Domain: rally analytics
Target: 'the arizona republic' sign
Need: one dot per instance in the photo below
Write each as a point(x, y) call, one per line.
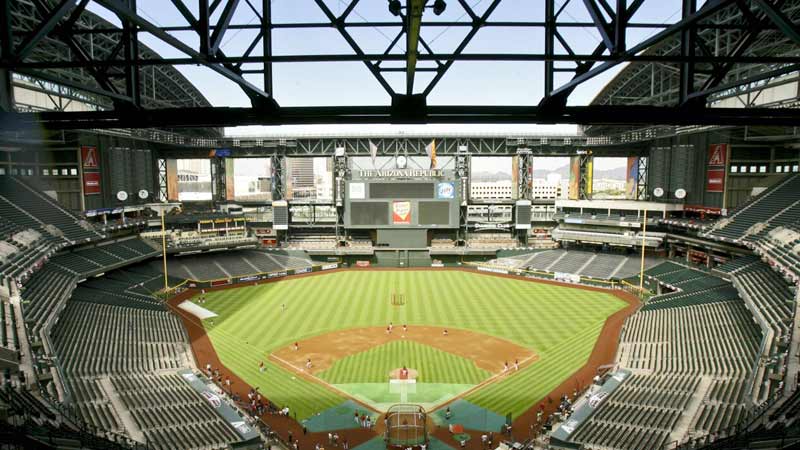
point(398, 173)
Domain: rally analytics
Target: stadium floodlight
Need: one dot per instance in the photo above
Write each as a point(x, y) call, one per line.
point(439, 6)
point(395, 7)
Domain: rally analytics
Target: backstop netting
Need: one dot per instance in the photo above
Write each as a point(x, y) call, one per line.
point(405, 427)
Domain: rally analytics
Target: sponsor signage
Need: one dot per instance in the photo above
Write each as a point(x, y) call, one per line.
point(276, 275)
point(220, 282)
point(302, 270)
point(330, 266)
point(401, 213)
point(493, 270)
point(362, 263)
point(249, 278)
point(91, 183)
point(446, 190)
point(401, 173)
point(715, 180)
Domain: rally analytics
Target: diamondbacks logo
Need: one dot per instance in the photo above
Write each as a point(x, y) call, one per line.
point(89, 157)
point(717, 154)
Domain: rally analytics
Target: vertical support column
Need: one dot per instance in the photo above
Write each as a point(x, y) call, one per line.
point(524, 174)
point(162, 179)
point(642, 191)
point(219, 180)
point(6, 48)
point(277, 163)
point(463, 174)
point(688, 36)
point(203, 23)
point(549, 45)
point(130, 36)
point(266, 43)
point(341, 172)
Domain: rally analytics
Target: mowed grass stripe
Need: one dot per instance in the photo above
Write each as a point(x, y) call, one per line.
point(433, 365)
point(544, 318)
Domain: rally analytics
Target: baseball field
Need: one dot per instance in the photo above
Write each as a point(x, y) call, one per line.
point(509, 342)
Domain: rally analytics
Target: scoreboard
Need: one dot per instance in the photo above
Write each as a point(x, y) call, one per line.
point(391, 203)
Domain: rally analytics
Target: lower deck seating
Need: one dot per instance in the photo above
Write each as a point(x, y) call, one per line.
point(692, 362)
point(170, 413)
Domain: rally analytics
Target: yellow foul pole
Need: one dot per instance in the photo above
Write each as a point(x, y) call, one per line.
point(641, 268)
point(164, 250)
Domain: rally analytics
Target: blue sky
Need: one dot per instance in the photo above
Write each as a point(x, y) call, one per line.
point(466, 83)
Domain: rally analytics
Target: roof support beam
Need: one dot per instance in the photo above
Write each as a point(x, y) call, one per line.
point(47, 25)
point(414, 10)
point(780, 20)
point(709, 8)
point(257, 96)
point(222, 25)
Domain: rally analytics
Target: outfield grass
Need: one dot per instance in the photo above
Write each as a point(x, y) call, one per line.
point(433, 365)
point(559, 323)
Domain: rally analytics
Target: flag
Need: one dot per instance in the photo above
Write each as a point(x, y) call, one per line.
point(430, 150)
point(373, 151)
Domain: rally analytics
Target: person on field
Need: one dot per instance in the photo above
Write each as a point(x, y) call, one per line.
point(308, 364)
point(261, 367)
point(448, 413)
point(405, 328)
point(505, 367)
point(296, 346)
point(444, 333)
point(516, 364)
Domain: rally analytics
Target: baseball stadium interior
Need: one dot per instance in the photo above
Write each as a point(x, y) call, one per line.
point(399, 224)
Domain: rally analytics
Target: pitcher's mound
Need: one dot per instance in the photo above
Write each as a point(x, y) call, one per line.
point(397, 374)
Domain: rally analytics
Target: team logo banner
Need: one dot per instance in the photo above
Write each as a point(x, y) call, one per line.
point(446, 190)
point(715, 172)
point(89, 157)
point(401, 213)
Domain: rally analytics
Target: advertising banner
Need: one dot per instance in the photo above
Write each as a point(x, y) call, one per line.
point(574, 177)
point(91, 183)
point(632, 178)
point(446, 190)
point(220, 282)
point(330, 266)
point(401, 213)
point(362, 263)
point(715, 180)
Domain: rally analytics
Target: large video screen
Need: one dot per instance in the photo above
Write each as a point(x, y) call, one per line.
point(190, 180)
point(250, 178)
